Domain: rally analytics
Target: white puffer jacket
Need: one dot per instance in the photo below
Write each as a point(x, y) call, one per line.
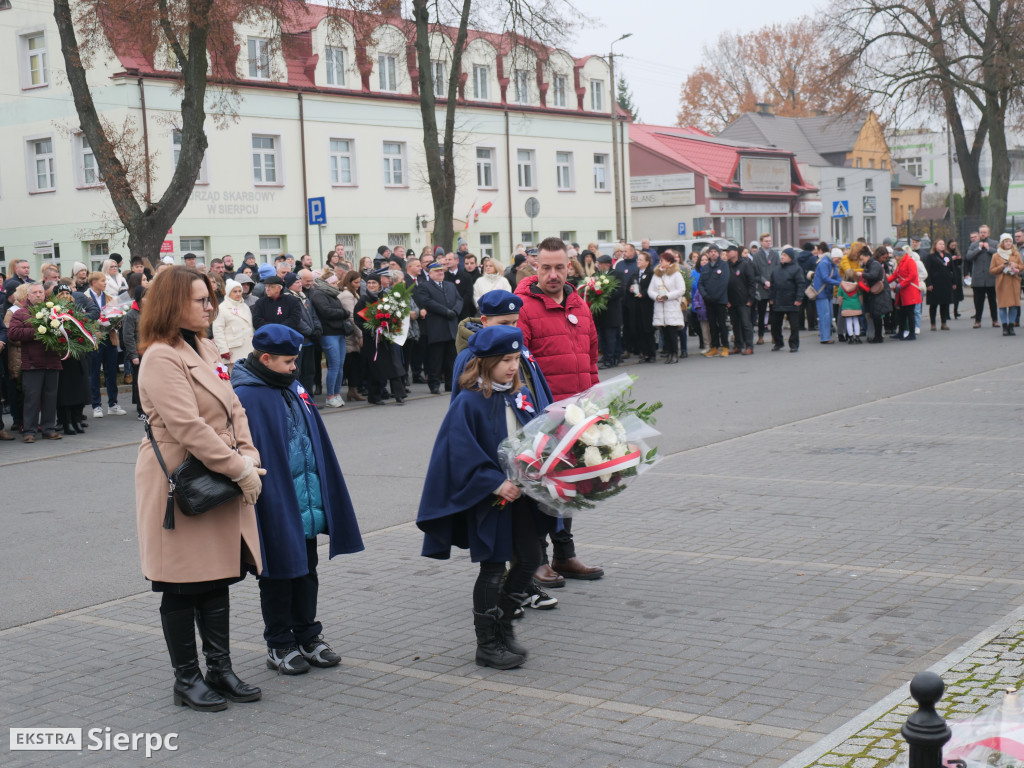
point(232, 330)
point(670, 284)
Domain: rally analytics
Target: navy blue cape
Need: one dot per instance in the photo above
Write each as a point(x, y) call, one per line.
point(282, 539)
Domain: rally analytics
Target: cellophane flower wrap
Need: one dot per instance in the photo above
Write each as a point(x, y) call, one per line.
point(63, 328)
point(113, 312)
point(584, 449)
point(597, 289)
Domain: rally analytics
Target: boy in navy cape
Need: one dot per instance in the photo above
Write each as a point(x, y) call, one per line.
point(468, 502)
point(500, 307)
point(304, 494)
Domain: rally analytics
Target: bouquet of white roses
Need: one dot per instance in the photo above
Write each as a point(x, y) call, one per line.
point(63, 328)
point(582, 450)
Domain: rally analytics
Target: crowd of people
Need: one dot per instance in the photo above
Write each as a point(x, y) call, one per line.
point(728, 301)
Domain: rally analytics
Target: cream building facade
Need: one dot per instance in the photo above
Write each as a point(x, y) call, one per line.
point(317, 114)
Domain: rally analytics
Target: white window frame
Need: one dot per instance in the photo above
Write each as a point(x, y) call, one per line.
point(560, 88)
point(531, 166)
point(351, 243)
point(31, 158)
point(204, 167)
point(259, 57)
point(389, 167)
point(528, 238)
point(264, 153)
point(487, 165)
point(565, 171)
point(481, 82)
point(387, 72)
point(597, 96)
point(334, 60)
point(396, 239)
point(840, 183)
point(186, 244)
point(84, 156)
point(604, 235)
point(488, 242)
point(869, 228)
point(268, 254)
point(26, 56)
point(601, 184)
point(521, 82)
point(335, 156)
point(439, 69)
point(869, 186)
point(567, 235)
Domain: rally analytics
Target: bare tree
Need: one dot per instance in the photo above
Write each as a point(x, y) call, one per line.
point(957, 54)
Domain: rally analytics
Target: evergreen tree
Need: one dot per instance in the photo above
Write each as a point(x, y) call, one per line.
point(625, 98)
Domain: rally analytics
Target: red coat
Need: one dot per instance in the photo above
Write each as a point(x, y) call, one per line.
point(34, 356)
point(906, 273)
point(565, 351)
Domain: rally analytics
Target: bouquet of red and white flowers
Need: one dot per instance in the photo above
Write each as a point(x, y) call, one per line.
point(113, 312)
point(389, 315)
point(582, 450)
point(597, 289)
point(63, 328)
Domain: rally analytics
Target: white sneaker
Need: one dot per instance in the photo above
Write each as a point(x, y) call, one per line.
point(116, 410)
point(917, 329)
point(97, 413)
point(335, 401)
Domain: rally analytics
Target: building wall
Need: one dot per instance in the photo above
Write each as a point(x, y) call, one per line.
point(870, 150)
point(230, 211)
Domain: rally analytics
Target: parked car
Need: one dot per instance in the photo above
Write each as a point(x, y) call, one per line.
point(903, 243)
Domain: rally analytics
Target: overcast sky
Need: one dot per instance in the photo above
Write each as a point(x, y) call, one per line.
point(667, 40)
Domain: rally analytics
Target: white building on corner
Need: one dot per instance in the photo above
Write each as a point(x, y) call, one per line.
point(323, 114)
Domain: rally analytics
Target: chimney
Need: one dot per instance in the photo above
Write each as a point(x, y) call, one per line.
point(764, 108)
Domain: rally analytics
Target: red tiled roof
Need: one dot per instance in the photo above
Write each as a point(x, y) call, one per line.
point(717, 159)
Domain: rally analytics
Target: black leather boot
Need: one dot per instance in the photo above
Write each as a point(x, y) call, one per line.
point(491, 650)
point(507, 604)
point(190, 689)
point(212, 618)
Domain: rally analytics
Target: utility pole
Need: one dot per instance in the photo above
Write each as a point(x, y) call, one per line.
point(614, 108)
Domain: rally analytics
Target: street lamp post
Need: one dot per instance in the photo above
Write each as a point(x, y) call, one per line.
point(615, 141)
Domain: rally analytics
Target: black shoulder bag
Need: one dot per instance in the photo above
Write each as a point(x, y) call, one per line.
point(193, 485)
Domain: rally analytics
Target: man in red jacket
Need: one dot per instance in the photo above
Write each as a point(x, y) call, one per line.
point(559, 330)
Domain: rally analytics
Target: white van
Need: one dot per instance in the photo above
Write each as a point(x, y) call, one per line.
point(685, 247)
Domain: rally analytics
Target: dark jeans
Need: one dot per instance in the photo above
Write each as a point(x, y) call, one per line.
point(610, 340)
point(440, 361)
point(40, 390)
point(757, 313)
point(716, 321)
point(671, 334)
point(742, 328)
point(562, 545)
point(289, 606)
point(794, 327)
point(810, 313)
point(908, 320)
point(520, 571)
point(942, 309)
point(417, 355)
point(104, 358)
point(979, 302)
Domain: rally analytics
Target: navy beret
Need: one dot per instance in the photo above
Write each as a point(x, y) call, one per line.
point(499, 302)
point(277, 339)
point(496, 340)
point(273, 280)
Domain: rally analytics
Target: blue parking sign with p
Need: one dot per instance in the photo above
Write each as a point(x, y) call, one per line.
point(317, 209)
point(682, 228)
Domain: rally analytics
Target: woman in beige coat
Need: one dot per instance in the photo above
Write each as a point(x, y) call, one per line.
point(1007, 266)
point(192, 409)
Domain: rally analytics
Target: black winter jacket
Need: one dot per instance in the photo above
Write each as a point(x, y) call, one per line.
point(714, 282)
point(788, 283)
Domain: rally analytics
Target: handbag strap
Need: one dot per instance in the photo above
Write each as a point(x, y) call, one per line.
point(169, 511)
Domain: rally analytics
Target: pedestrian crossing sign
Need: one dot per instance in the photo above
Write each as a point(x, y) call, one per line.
point(841, 209)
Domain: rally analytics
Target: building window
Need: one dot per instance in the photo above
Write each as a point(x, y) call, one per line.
point(869, 228)
point(856, 163)
point(488, 244)
point(259, 58)
point(35, 70)
point(265, 159)
point(522, 86)
point(840, 183)
point(88, 172)
point(600, 173)
point(762, 225)
point(196, 245)
point(335, 58)
point(560, 91)
point(528, 238)
point(394, 164)
point(597, 95)
point(604, 235)
point(387, 72)
point(564, 171)
point(96, 253)
point(342, 159)
point(481, 77)
point(439, 72)
point(485, 168)
point(525, 168)
point(351, 245)
point(396, 239)
point(869, 186)
point(913, 165)
point(841, 229)
point(42, 175)
point(270, 246)
point(204, 172)
point(567, 236)
point(871, 162)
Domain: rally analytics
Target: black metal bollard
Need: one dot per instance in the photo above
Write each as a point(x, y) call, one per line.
point(925, 730)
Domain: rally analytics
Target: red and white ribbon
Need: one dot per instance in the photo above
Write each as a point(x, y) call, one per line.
point(65, 316)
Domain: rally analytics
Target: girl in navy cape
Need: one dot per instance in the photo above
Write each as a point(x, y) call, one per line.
point(469, 503)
